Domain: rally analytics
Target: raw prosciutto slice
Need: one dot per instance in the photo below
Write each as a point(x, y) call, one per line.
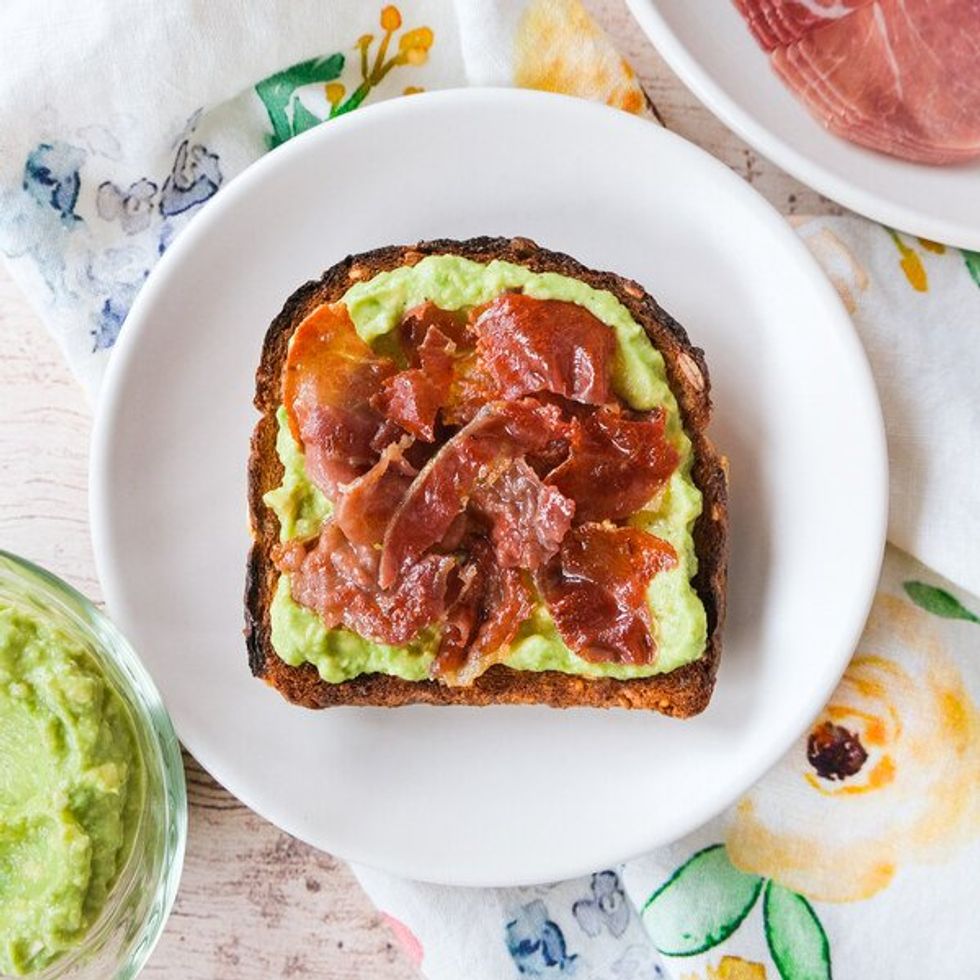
point(527, 518)
point(776, 23)
point(898, 76)
point(329, 378)
point(476, 455)
point(483, 616)
point(596, 588)
point(531, 345)
point(616, 464)
point(339, 581)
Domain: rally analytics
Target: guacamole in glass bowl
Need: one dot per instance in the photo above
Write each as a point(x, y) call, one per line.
point(92, 796)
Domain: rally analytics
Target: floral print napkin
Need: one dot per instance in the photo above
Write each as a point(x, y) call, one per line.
point(857, 856)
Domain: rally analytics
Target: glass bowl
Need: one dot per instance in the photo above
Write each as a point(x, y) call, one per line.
point(121, 939)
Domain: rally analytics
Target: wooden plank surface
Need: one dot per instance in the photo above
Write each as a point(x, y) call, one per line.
point(254, 903)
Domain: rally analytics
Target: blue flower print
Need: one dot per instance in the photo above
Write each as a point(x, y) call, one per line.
point(166, 236)
point(51, 177)
point(115, 275)
point(637, 963)
point(194, 178)
point(536, 943)
point(110, 319)
point(132, 208)
point(607, 906)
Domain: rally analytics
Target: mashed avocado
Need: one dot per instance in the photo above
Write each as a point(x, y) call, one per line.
point(376, 306)
point(70, 791)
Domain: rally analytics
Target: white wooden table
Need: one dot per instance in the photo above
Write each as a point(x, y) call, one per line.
point(254, 903)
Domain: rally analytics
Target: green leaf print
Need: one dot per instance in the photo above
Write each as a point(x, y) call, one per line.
point(303, 119)
point(972, 260)
point(701, 904)
point(276, 93)
point(797, 942)
point(938, 602)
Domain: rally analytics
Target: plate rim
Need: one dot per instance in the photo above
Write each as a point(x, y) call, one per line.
point(111, 406)
point(815, 175)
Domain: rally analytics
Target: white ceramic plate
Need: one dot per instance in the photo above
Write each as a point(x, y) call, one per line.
point(710, 47)
point(493, 795)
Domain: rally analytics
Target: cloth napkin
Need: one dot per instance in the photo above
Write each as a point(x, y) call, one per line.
point(857, 855)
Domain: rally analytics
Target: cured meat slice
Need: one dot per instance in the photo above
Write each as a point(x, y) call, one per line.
point(776, 23)
point(365, 506)
point(416, 323)
point(413, 397)
point(476, 455)
point(329, 378)
point(531, 345)
point(527, 518)
point(897, 76)
point(413, 400)
point(388, 432)
point(338, 446)
point(339, 581)
point(616, 464)
point(483, 616)
point(596, 588)
point(471, 388)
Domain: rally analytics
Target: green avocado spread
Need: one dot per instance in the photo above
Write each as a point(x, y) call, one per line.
point(70, 791)
point(376, 306)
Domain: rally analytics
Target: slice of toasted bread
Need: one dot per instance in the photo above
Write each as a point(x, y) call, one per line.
point(680, 693)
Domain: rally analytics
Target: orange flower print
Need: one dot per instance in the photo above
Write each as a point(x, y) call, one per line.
point(289, 115)
point(413, 49)
point(849, 277)
point(559, 48)
point(910, 262)
point(731, 968)
point(887, 775)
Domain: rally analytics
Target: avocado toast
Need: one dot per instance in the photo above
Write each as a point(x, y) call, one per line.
point(481, 476)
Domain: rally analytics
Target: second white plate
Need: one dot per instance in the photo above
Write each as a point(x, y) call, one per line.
point(492, 795)
point(710, 47)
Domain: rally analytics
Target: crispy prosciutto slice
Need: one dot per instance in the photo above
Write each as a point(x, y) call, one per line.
point(329, 378)
point(413, 397)
point(527, 518)
point(471, 388)
point(473, 457)
point(531, 345)
point(337, 443)
point(339, 581)
point(486, 607)
point(898, 76)
point(615, 465)
point(365, 506)
point(418, 321)
point(596, 588)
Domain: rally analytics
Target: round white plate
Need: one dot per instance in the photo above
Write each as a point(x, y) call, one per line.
point(709, 45)
point(492, 795)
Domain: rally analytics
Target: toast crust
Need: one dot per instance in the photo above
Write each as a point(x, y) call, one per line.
point(679, 693)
